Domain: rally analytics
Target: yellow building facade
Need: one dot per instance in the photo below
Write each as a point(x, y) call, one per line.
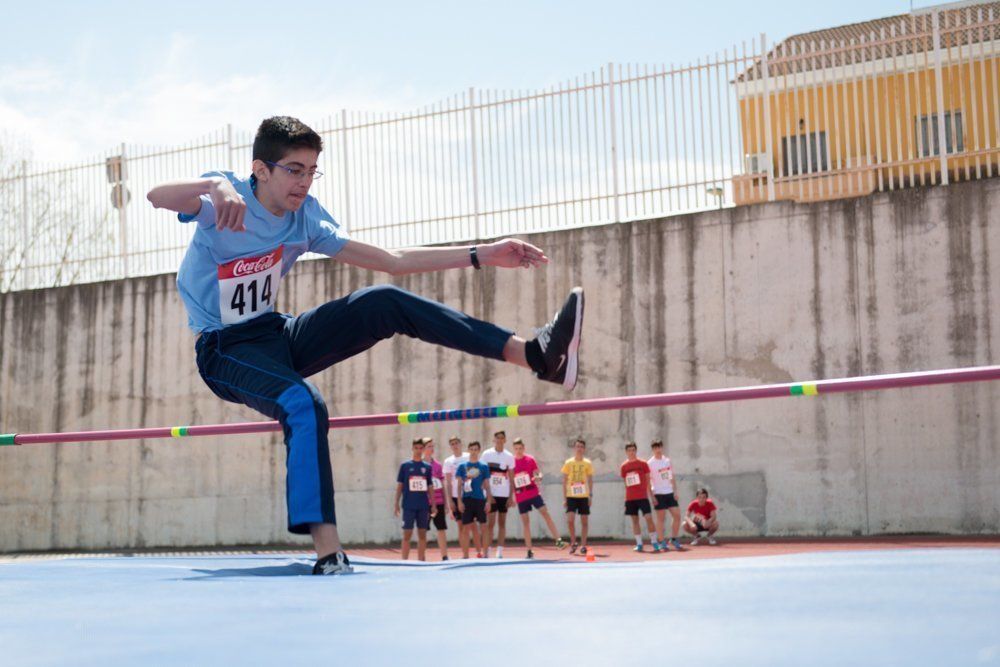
point(851, 110)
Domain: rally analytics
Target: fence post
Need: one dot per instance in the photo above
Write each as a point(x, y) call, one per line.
point(939, 90)
point(768, 138)
point(122, 213)
point(475, 166)
point(614, 141)
point(25, 223)
point(344, 170)
point(229, 147)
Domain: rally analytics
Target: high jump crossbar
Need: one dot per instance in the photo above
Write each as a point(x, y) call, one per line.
point(815, 388)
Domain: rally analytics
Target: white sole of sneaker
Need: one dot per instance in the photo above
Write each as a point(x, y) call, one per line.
point(572, 354)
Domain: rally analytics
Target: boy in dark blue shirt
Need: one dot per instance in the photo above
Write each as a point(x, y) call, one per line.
point(414, 486)
point(474, 477)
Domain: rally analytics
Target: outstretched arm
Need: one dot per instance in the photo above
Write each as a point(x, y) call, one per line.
point(506, 253)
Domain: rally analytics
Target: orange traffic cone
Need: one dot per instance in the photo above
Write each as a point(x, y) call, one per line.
point(590, 556)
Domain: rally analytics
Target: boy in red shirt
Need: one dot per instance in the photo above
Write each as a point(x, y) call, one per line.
point(638, 493)
point(702, 516)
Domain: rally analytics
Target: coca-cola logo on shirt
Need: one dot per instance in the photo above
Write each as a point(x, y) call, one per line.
point(248, 266)
point(244, 267)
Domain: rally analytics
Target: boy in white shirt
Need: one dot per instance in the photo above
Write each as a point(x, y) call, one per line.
point(661, 479)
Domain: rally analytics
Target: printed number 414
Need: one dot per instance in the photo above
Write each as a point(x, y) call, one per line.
point(239, 296)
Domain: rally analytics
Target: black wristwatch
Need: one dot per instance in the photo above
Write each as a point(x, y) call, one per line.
point(474, 255)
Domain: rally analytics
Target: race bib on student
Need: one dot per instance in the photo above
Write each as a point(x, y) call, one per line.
point(632, 479)
point(247, 286)
point(667, 475)
point(467, 487)
point(577, 489)
point(497, 479)
point(436, 483)
point(521, 480)
point(418, 484)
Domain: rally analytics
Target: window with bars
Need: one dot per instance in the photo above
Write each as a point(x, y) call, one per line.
point(804, 154)
point(927, 138)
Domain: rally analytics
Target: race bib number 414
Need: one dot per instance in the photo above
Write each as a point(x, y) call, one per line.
point(247, 286)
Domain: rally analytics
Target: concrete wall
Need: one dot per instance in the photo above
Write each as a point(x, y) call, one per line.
point(769, 293)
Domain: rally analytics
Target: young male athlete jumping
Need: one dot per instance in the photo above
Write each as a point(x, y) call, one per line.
point(249, 233)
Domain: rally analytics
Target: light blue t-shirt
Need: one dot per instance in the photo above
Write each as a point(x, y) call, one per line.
point(230, 277)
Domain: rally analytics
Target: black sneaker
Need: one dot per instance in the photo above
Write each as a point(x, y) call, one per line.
point(531, 554)
point(335, 563)
point(560, 342)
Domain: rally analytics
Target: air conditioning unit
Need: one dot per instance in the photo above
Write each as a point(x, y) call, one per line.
point(755, 163)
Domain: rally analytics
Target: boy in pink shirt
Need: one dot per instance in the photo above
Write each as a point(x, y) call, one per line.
point(437, 481)
point(528, 497)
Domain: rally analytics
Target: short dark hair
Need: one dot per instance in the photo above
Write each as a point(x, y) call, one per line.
point(581, 441)
point(418, 441)
point(503, 433)
point(701, 491)
point(631, 444)
point(474, 443)
point(279, 134)
point(656, 443)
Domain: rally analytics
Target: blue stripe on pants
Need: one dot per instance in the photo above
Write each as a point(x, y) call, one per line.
point(250, 364)
point(302, 482)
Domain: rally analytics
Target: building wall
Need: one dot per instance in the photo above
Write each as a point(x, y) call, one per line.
point(759, 294)
point(870, 118)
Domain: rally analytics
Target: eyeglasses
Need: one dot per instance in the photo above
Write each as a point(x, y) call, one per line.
point(297, 172)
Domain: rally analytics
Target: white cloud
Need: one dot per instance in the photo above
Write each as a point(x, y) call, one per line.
point(30, 79)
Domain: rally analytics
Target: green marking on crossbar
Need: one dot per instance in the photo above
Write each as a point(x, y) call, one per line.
point(7, 439)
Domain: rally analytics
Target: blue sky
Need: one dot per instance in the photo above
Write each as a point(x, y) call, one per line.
point(75, 80)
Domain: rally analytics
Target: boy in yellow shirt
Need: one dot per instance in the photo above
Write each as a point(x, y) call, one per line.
point(578, 489)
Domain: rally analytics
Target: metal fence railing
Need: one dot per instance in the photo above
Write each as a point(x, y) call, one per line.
point(817, 116)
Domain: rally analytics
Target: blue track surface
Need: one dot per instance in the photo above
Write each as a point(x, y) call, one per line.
point(902, 607)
